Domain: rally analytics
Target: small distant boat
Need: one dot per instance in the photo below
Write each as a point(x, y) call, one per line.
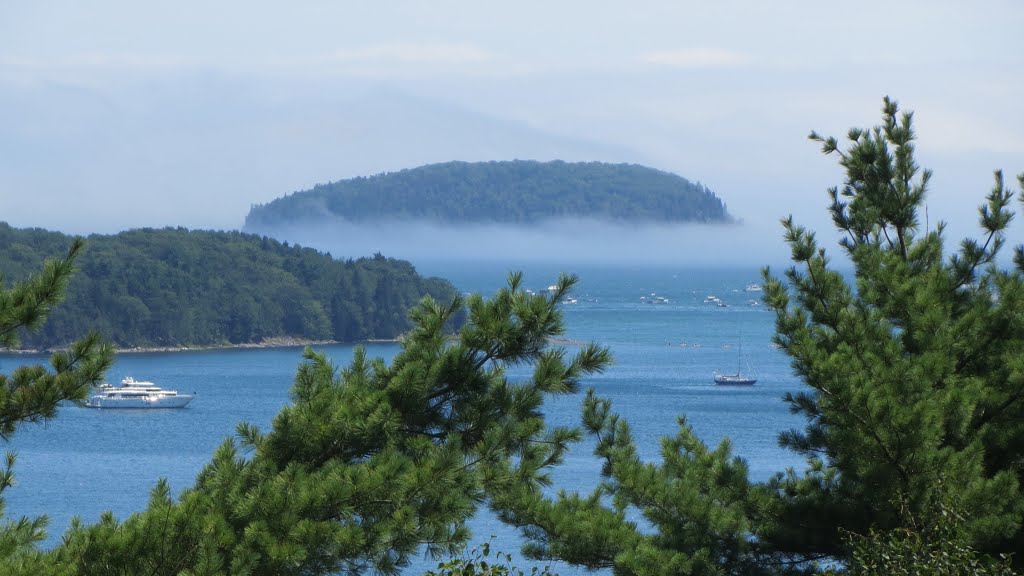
point(753, 288)
point(654, 299)
point(137, 394)
point(737, 379)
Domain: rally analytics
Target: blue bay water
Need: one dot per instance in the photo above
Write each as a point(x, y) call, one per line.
point(86, 461)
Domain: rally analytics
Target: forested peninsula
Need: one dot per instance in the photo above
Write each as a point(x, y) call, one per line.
point(156, 288)
point(510, 192)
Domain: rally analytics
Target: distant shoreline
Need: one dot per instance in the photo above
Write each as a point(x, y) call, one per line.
point(278, 342)
point(281, 342)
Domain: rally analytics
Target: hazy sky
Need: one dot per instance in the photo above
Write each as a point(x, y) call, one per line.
point(121, 114)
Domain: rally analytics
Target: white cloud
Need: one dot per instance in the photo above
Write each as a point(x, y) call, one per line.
point(404, 53)
point(697, 58)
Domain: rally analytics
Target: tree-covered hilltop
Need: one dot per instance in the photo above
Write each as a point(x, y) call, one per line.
point(178, 287)
point(514, 192)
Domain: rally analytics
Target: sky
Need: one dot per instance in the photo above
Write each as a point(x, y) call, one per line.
point(125, 114)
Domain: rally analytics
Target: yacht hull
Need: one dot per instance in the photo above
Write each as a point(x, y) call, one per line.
point(137, 394)
point(179, 401)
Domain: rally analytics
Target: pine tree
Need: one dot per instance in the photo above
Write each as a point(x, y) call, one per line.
point(915, 372)
point(914, 405)
point(369, 466)
point(33, 393)
point(691, 514)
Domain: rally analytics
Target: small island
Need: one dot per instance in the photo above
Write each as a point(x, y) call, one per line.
point(515, 192)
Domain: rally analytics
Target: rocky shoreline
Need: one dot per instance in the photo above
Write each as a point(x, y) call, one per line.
point(277, 342)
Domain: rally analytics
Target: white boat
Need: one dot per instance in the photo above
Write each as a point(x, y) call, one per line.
point(738, 378)
point(654, 299)
point(735, 379)
point(136, 394)
point(753, 288)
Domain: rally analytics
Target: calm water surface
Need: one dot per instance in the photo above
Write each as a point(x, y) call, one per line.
point(88, 461)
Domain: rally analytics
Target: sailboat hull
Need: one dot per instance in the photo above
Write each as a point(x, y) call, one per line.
point(734, 379)
point(737, 379)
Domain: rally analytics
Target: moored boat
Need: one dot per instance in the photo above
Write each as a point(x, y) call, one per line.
point(739, 378)
point(735, 379)
point(136, 394)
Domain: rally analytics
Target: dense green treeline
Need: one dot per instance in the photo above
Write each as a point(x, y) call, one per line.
point(178, 287)
point(515, 192)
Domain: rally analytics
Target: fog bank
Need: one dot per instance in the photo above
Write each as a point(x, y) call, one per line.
point(569, 241)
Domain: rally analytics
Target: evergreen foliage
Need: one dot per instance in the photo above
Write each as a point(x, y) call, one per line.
point(33, 393)
point(935, 551)
point(365, 467)
point(517, 192)
point(690, 514)
point(176, 287)
point(479, 562)
point(914, 406)
point(915, 373)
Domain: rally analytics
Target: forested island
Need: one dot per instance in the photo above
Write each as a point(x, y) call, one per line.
point(181, 288)
point(511, 192)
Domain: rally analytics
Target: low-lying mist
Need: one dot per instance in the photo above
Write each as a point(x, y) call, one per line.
point(569, 241)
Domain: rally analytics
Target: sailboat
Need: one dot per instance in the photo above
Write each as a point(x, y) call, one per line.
point(738, 378)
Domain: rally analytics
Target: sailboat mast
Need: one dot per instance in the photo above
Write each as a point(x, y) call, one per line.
point(739, 355)
point(737, 378)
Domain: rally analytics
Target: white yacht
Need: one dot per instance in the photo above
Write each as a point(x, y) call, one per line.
point(137, 394)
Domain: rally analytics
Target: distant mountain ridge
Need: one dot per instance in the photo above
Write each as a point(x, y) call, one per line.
point(516, 192)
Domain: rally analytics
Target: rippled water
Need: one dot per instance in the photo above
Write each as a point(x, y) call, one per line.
point(88, 461)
